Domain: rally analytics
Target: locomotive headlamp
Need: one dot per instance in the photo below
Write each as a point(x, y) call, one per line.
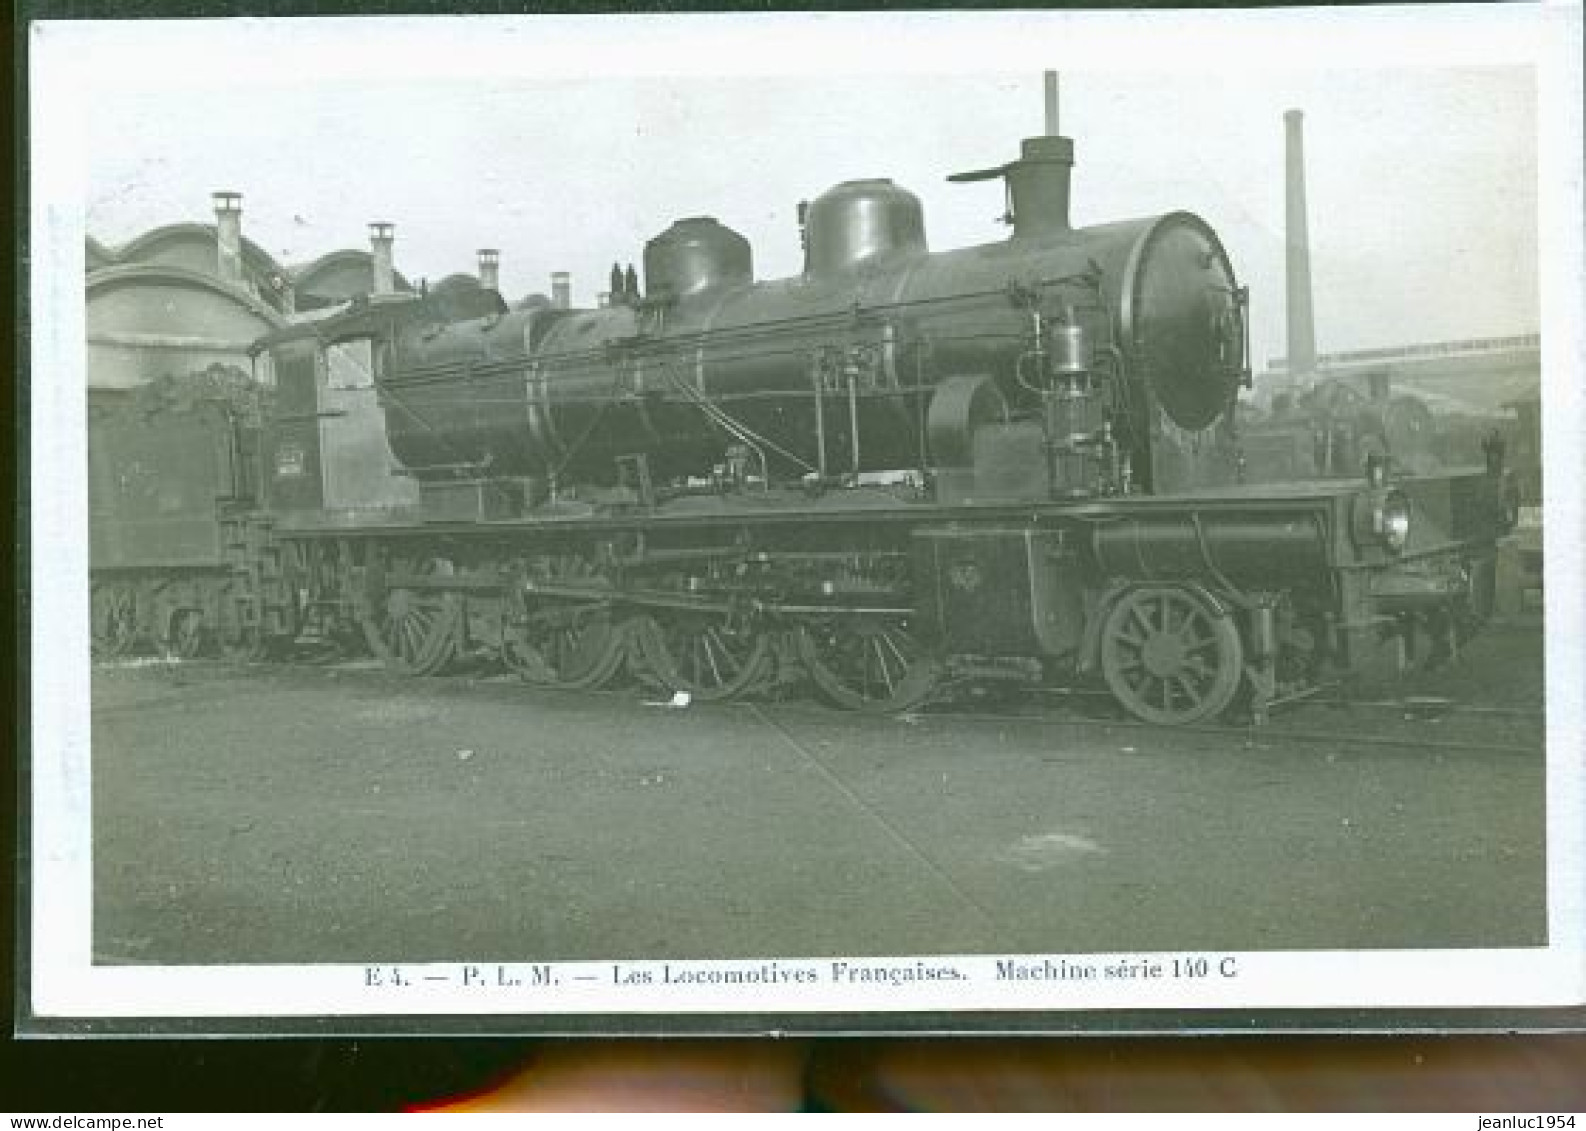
point(1382, 518)
point(1390, 520)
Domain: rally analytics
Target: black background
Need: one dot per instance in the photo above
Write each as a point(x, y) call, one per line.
point(1416, 1070)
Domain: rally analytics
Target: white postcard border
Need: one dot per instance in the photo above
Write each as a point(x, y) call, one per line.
point(73, 64)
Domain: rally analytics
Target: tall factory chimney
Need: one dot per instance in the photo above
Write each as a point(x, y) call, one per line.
point(382, 234)
point(561, 290)
point(228, 235)
point(1300, 318)
point(1050, 78)
point(489, 269)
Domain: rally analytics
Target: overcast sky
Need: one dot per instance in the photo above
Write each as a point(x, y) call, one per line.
point(1422, 180)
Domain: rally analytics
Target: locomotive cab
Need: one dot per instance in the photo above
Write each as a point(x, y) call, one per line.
point(327, 459)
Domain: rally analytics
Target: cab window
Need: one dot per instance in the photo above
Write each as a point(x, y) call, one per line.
point(350, 365)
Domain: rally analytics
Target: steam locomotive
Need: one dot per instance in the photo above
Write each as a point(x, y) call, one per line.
point(899, 470)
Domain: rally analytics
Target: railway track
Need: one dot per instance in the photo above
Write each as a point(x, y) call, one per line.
point(1375, 722)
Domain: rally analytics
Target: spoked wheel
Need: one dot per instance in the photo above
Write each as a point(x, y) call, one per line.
point(1170, 657)
point(702, 654)
point(560, 642)
point(115, 620)
point(247, 646)
point(415, 631)
point(189, 636)
point(865, 663)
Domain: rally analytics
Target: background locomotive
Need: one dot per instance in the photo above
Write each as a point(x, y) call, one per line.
point(1015, 460)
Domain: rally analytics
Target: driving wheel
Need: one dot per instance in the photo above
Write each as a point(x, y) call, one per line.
point(702, 654)
point(415, 631)
point(563, 642)
point(868, 663)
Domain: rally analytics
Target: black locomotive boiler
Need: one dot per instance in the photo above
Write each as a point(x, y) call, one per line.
point(897, 470)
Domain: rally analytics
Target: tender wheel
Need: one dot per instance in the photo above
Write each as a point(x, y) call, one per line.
point(115, 620)
point(244, 644)
point(333, 647)
point(415, 631)
point(868, 664)
point(189, 636)
point(702, 655)
point(239, 635)
point(1169, 657)
point(557, 642)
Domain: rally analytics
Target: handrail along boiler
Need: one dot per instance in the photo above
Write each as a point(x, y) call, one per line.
point(897, 469)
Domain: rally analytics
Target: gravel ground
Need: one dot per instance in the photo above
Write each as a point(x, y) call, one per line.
point(283, 814)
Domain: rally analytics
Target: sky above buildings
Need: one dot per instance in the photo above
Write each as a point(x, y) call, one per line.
point(568, 154)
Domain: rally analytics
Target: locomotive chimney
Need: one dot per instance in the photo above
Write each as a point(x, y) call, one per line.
point(228, 235)
point(1299, 316)
point(1038, 185)
point(561, 290)
point(382, 234)
point(489, 269)
point(1038, 182)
